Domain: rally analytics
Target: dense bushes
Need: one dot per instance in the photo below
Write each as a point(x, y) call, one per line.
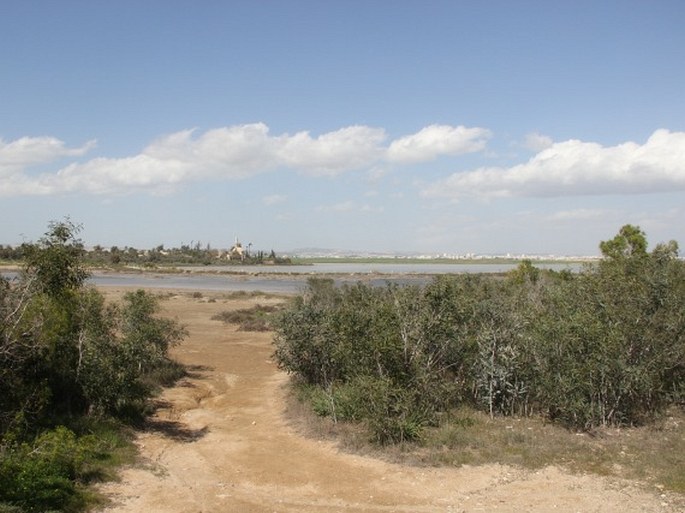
point(605, 346)
point(389, 356)
point(66, 354)
point(615, 337)
point(44, 475)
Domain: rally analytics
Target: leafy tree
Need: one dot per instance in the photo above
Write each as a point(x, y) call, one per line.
point(525, 271)
point(55, 262)
point(611, 343)
point(630, 242)
point(65, 353)
point(119, 346)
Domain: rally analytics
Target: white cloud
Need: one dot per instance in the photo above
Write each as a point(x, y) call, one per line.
point(350, 206)
point(372, 208)
point(344, 206)
point(435, 140)
point(537, 142)
point(227, 153)
point(273, 199)
point(30, 151)
point(349, 148)
point(580, 214)
point(230, 152)
point(99, 176)
point(376, 174)
point(579, 168)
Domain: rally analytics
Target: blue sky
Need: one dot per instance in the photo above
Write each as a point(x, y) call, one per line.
point(392, 126)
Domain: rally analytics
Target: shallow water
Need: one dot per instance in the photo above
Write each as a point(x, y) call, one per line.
point(292, 279)
point(377, 268)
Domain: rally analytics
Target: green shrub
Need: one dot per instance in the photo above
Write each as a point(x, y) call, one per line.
point(609, 345)
point(66, 356)
point(365, 349)
point(605, 346)
point(45, 475)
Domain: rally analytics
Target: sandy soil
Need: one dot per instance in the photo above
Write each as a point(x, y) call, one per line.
point(221, 443)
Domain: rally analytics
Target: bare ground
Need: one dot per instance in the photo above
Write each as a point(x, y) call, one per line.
point(221, 442)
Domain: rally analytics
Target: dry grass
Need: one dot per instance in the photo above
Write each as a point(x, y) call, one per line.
point(251, 294)
point(653, 455)
point(256, 318)
point(349, 436)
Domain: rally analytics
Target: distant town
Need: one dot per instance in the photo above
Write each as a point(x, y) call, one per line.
point(239, 253)
point(317, 253)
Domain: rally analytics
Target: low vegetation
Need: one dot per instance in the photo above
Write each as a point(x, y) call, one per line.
point(653, 454)
point(73, 371)
point(599, 349)
point(256, 318)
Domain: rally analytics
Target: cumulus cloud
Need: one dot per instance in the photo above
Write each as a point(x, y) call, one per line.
point(537, 142)
point(578, 168)
point(100, 176)
point(30, 151)
point(349, 148)
point(436, 140)
point(230, 152)
point(227, 153)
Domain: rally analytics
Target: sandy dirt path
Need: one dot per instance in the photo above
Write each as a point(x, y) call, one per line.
point(221, 443)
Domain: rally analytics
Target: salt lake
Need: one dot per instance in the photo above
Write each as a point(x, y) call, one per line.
point(291, 279)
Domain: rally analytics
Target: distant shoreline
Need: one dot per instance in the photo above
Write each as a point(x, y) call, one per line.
point(495, 260)
point(284, 269)
point(284, 279)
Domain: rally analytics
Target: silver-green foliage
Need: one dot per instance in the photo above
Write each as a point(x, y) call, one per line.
point(611, 343)
point(119, 345)
point(605, 346)
point(387, 356)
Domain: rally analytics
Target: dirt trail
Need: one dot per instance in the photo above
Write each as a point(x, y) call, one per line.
point(221, 443)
